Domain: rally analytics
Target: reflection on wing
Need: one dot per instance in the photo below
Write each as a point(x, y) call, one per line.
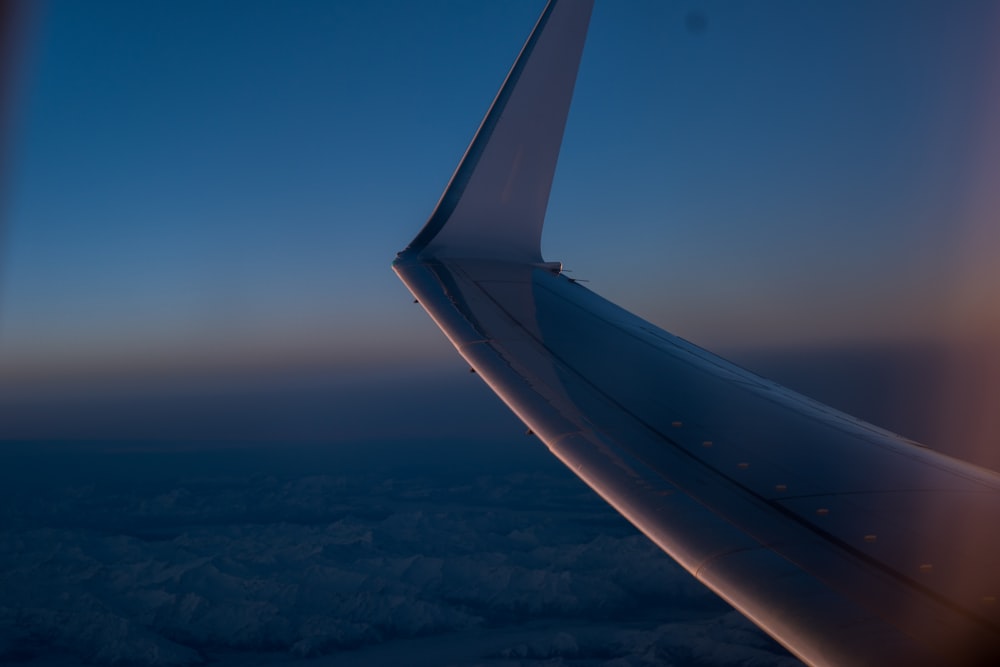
point(848, 544)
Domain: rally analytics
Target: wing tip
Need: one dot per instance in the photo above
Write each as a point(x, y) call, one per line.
point(494, 205)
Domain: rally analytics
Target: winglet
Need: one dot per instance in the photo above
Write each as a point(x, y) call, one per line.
point(494, 205)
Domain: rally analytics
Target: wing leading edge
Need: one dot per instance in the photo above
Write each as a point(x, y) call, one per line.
point(848, 544)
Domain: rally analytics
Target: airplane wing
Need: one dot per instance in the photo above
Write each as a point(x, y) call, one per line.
point(848, 544)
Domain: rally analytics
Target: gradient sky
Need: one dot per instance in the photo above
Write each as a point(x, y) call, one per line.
point(222, 185)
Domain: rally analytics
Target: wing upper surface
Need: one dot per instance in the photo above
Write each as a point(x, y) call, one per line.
point(850, 545)
point(846, 543)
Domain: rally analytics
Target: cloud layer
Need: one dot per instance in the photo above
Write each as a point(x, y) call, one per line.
point(145, 558)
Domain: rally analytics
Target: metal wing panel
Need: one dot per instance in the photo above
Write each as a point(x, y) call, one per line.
point(768, 497)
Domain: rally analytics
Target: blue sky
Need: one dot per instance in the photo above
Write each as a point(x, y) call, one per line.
point(223, 185)
point(203, 200)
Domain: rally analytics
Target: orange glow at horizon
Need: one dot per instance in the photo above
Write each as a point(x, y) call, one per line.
point(968, 393)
